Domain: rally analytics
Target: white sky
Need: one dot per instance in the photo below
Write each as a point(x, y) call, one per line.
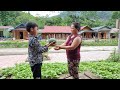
point(44, 13)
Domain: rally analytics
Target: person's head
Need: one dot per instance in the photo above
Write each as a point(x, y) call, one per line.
point(32, 28)
point(75, 27)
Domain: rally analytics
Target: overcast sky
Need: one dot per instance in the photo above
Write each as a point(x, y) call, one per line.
point(44, 13)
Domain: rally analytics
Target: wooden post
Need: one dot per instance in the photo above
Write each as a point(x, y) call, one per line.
point(54, 35)
point(98, 36)
point(118, 27)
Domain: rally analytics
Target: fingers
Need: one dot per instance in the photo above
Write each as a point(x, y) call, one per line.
point(57, 48)
point(52, 43)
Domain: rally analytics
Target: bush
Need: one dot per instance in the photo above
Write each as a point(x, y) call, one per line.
point(114, 57)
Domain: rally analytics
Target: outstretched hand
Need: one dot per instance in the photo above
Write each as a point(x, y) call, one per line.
point(57, 47)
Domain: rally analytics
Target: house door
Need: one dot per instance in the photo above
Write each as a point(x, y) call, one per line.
point(102, 35)
point(1, 33)
point(21, 35)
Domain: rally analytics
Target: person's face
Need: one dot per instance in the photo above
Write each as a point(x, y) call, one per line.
point(73, 29)
point(35, 30)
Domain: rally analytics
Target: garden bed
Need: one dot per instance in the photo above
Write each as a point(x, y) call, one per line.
point(103, 69)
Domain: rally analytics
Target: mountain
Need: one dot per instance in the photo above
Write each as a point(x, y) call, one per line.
point(103, 15)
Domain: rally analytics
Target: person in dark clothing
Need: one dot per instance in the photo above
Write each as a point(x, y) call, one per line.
point(35, 50)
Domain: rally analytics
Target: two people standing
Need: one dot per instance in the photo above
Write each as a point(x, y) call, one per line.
point(72, 46)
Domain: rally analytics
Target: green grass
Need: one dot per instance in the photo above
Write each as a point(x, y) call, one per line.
point(20, 44)
point(16, 44)
point(104, 69)
point(107, 42)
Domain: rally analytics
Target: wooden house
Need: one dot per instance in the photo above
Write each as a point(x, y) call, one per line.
point(4, 31)
point(62, 32)
point(102, 32)
point(20, 32)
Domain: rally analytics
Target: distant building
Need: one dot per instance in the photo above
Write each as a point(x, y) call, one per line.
point(114, 33)
point(87, 32)
point(19, 32)
point(62, 32)
point(4, 31)
point(102, 32)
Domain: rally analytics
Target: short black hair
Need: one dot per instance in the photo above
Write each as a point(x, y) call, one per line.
point(30, 25)
point(76, 25)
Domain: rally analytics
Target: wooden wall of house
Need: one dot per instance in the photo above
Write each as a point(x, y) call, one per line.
point(16, 34)
point(57, 35)
point(87, 35)
point(25, 34)
point(104, 35)
point(86, 28)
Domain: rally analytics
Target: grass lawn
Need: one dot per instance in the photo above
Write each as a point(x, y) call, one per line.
point(24, 44)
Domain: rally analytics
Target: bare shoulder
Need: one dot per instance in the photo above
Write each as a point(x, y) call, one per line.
point(78, 38)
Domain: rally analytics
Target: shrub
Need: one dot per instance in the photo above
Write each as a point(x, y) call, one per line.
point(114, 57)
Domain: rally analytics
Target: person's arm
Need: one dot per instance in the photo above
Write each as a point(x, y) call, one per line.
point(42, 49)
point(74, 44)
point(34, 43)
point(63, 44)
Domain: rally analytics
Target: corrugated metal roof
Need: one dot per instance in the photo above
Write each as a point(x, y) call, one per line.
point(86, 31)
point(59, 29)
point(114, 30)
point(5, 27)
point(23, 25)
point(100, 28)
point(56, 29)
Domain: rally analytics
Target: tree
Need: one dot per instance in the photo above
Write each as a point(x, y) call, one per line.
point(89, 14)
point(112, 21)
point(40, 21)
point(115, 15)
point(8, 17)
point(24, 17)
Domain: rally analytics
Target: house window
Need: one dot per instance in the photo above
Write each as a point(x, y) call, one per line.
point(1, 33)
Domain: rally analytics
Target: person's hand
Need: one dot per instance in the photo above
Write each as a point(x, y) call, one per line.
point(51, 44)
point(57, 48)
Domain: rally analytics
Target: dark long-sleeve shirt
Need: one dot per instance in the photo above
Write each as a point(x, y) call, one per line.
point(35, 51)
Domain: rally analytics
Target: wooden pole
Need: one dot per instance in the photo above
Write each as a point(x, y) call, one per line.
point(118, 27)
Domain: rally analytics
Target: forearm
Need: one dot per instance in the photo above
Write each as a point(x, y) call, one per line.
point(42, 49)
point(67, 47)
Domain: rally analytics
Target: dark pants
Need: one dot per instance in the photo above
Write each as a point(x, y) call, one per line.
point(36, 70)
point(73, 68)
